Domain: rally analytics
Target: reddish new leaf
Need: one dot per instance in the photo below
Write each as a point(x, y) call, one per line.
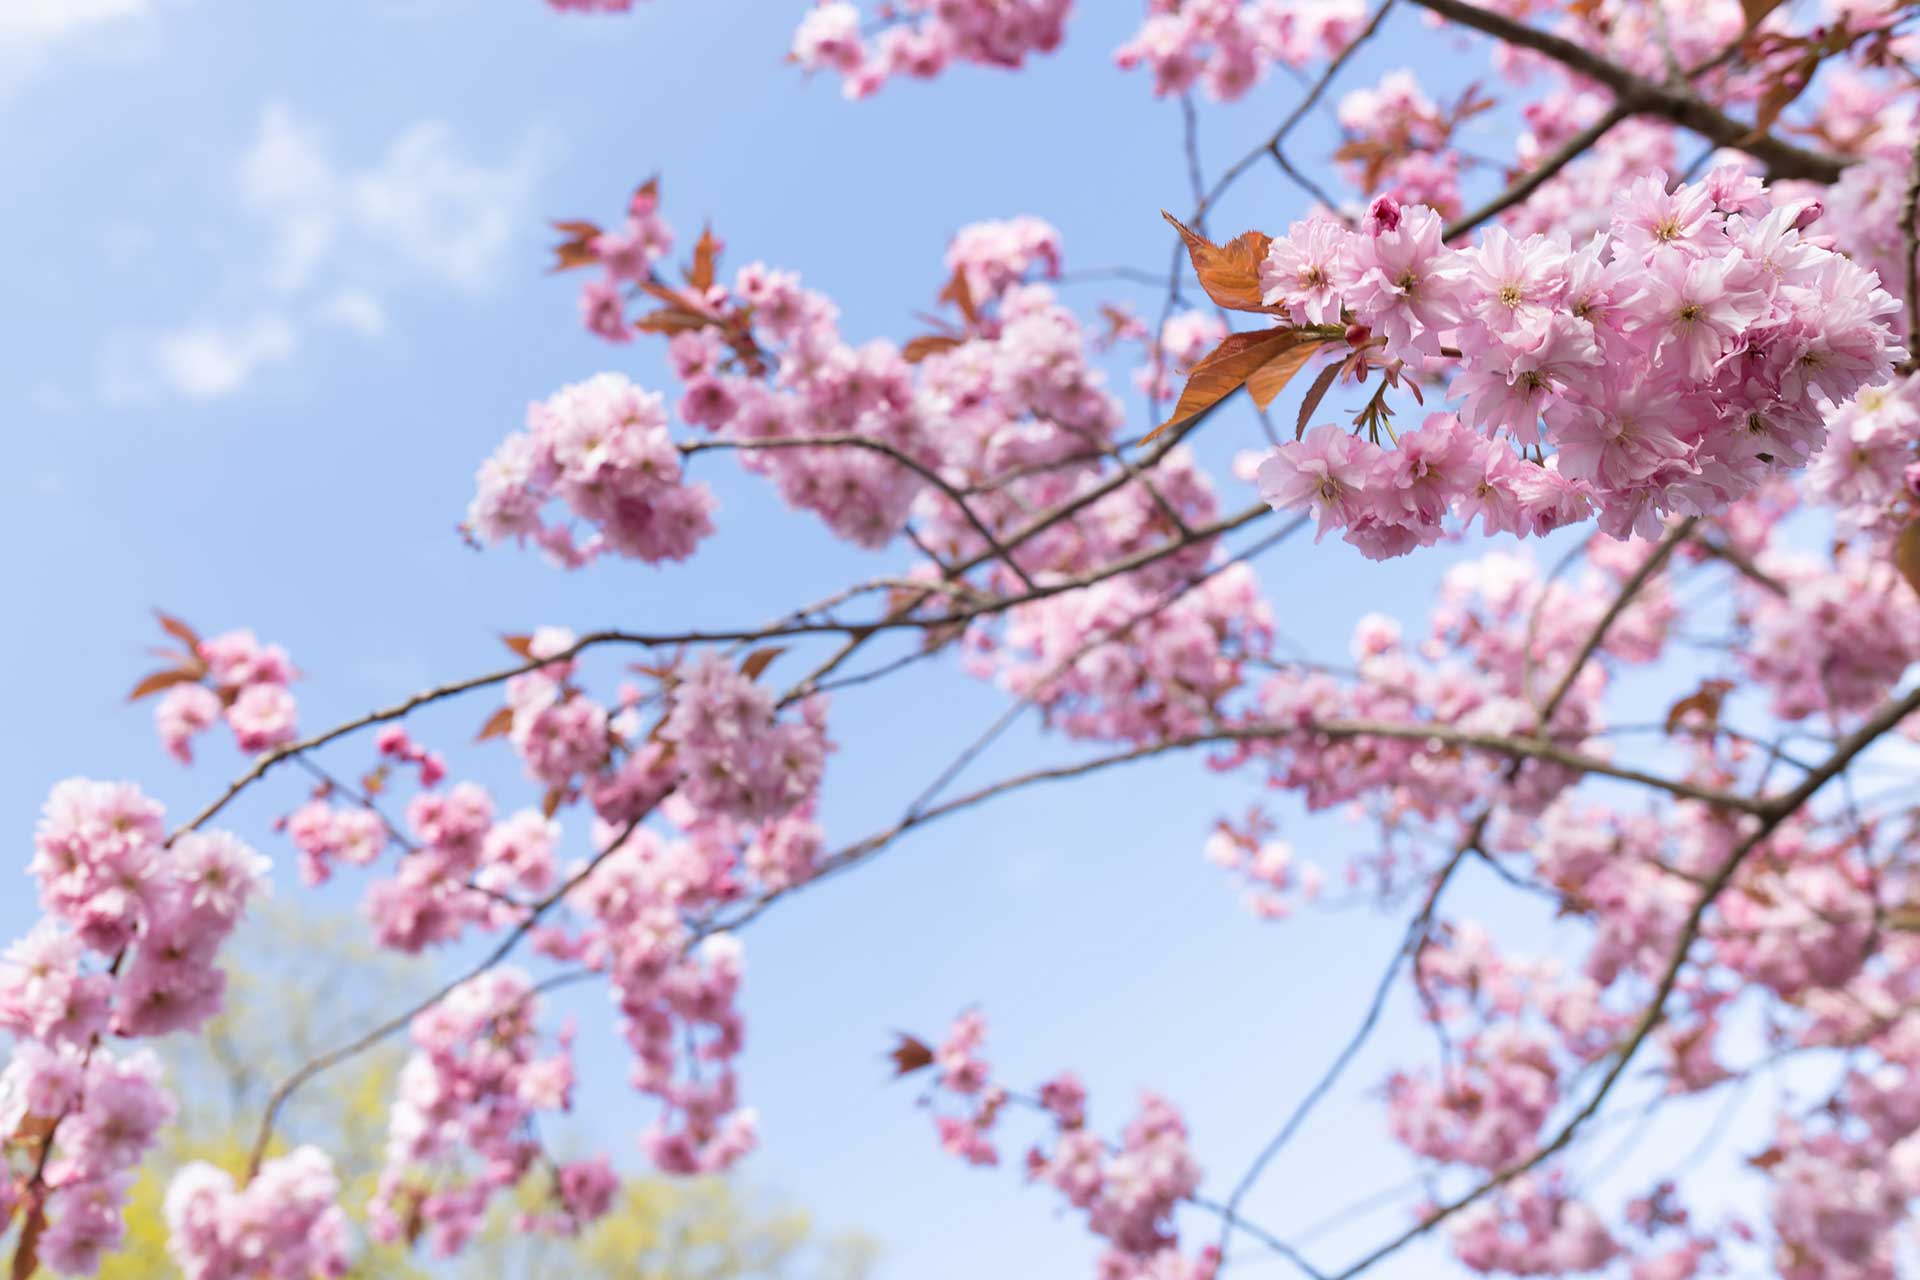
point(1119, 324)
point(1706, 701)
point(1315, 394)
point(162, 680)
point(550, 803)
point(497, 724)
point(1225, 369)
point(577, 249)
point(374, 781)
point(706, 258)
point(672, 320)
point(1906, 554)
point(1757, 10)
point(759, 660)
point(1271, 378)
point(1231, 273)
point(929, 345)
point(1473, 103)
point(910, 1055)
point(522, 645)
point(179, 630)
point(961, 296)
point(671, 296)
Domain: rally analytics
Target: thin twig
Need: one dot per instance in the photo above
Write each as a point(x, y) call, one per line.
point(1778, 811)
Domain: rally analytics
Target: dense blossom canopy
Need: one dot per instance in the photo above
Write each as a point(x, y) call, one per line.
point(1678, 322)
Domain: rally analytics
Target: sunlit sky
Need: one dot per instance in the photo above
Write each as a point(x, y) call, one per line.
point(276, 283)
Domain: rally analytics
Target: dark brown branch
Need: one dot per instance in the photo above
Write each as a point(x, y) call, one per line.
point(1910, 238)
point(1120, 632)
point(265, 763)
point(1678, 104)
point(1669, 543)
point(900, 456)
point(1419, 929)
point(1563, 155)
point(1743, 564)
point(1514, 748)
point(1520, 749)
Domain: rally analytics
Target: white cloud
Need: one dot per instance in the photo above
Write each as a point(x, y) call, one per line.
point(285, 175)
point(356, 311)
point(30, 30)
point(425, 208)
point(452, 217)
point(211, 361)
point(40, 22)
point(340, 237)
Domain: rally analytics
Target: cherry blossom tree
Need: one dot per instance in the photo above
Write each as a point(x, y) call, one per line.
point(1674, 326)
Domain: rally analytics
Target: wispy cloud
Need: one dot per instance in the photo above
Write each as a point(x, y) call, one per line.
point(356, 311)
point(197, 360)
point(425, 207)
point(42, 21)
point(207, 361)
point(422, 214)
point(30, 29)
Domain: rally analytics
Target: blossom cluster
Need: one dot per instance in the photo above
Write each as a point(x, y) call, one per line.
point(1837, 640)
point(1274, 878)
point(1797, 922)
point(238, 679)
point(1228, 46)
point(1024, 420)
point(676, 993)
point(106, 1112)
point(1129, 1190)
point(112, 885)
point(285, 1224)
point(1124, 661)
point(601, 450)
point(127, 947)
point(1674, 364)
point(922, 38)
point(738, 760)
point(462, 1119)
point(993, 256)
point(1869, 474)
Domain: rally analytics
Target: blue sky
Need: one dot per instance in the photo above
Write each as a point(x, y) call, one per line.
point(276, 285)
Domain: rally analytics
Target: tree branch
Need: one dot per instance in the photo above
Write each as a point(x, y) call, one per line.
point(1563, 155)
point(886, 450)
point(1678, 104)
point(1773, 814)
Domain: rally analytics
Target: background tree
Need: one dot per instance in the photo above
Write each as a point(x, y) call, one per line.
point(297, 984)
point(1673, 329)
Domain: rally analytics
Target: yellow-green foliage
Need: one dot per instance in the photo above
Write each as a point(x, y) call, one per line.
point(295, 988)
